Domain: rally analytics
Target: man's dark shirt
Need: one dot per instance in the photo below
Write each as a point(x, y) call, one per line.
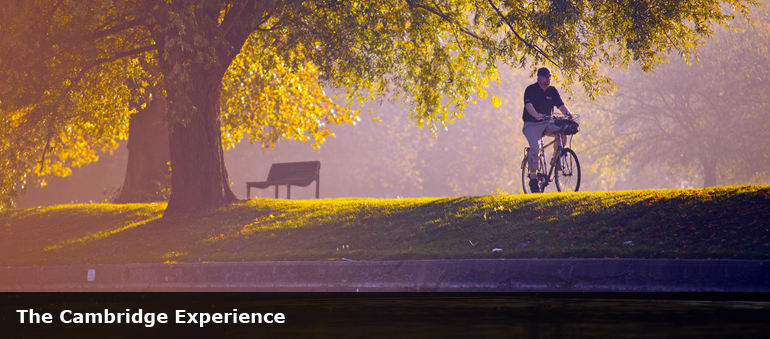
point(542, 100)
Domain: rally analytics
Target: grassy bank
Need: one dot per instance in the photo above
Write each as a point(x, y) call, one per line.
point(716, 223)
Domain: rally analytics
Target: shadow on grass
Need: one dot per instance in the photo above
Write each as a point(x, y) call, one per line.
point(706, 223)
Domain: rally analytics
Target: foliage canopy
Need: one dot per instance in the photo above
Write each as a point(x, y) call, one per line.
point(70, 69)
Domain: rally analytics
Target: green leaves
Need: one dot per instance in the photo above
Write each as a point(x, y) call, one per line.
point(269, 98)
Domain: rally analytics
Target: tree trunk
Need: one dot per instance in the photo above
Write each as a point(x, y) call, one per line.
point(192, 78)
point(199, 176)
point(709, 172)
point(147, 174)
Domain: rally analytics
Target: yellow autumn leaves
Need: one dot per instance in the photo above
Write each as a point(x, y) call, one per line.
point(268, 98)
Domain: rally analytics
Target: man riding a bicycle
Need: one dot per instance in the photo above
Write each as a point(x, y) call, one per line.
point(539, 100)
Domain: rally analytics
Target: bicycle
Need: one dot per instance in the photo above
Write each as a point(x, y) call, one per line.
point(565, 172)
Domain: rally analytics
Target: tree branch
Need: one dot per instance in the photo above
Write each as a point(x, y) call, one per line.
point(280, 24)
point(53, 10)
point(134, 51)
point(530, 45)
point(231, 17)
point(437, 11)
point(117, 28)
point(49, 136)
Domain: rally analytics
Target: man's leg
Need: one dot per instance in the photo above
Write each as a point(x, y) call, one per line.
point(533, 131)
point(551, 131)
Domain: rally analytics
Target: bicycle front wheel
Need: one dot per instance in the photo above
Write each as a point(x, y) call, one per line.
point(568, 172)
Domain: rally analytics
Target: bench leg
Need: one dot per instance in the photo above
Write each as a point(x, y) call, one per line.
point(248, 192)
point(288, 192)
point(276, 191)
point(316, 188)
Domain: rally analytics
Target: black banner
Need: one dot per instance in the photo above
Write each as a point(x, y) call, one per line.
point(385, 315)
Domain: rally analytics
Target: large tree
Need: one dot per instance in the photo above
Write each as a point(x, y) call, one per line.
point(304, 110)
point(435, 56)
point(703, 123)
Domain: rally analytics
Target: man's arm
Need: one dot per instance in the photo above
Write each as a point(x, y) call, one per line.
point(560, 104)
point(565, 111)
point(531, 110)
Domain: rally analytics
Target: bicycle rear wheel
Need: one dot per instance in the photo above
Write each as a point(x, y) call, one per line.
point(525, 175)
point(568, 172)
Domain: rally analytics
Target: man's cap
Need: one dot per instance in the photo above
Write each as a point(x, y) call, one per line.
point(543, 72)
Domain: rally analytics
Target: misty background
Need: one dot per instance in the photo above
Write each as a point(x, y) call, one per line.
point(681, 126)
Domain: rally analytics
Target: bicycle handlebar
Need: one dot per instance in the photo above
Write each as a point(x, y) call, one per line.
point(553, 117)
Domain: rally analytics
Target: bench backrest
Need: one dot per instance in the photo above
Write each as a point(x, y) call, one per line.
point(294, 170)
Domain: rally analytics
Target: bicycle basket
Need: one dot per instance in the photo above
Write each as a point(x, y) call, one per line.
point(565, 126)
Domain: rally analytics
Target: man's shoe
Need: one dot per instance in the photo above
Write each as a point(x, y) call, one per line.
point(533, 186)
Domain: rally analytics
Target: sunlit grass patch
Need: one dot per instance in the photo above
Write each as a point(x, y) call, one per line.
point(721, 222)
point(28, 232)
point(98, 235)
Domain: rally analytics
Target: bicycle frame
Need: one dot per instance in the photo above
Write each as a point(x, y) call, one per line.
point(564, 169)
point(549, 173)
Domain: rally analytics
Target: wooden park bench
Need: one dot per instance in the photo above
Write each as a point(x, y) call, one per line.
point(290, 174)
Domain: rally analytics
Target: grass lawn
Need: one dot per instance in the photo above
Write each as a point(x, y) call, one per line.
point(718, 223)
